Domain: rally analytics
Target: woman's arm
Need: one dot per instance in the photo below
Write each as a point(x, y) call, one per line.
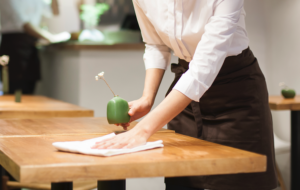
point(212, 49)
point(37, 32)
point(171, 106)
point(40, 33)
point(156, 58)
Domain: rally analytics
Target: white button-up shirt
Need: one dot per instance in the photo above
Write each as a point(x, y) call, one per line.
point(202, 32)
point(15, 13)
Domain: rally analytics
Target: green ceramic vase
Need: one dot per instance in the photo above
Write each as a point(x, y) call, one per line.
point(117, 111)
point(288, 93)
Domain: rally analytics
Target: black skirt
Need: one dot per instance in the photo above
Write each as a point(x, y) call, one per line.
point(233, 112)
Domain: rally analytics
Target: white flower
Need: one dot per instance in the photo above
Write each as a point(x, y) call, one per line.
point(101, 75)
point(4, 60)
point(283, 85)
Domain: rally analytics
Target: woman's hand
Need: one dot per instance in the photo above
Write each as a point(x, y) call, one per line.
point(138, 109)
point(129, 139)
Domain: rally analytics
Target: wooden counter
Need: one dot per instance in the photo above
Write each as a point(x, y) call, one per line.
point(34, 159)
point(39, 107)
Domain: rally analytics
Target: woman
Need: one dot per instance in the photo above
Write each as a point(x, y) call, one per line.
point(219, 93)
point(20, 31)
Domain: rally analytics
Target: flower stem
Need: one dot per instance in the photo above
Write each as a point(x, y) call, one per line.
point(108, 86)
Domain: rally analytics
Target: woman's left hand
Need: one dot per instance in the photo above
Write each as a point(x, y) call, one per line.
point(129, 139)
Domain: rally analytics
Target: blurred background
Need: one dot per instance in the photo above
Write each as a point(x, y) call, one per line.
point(70, 56)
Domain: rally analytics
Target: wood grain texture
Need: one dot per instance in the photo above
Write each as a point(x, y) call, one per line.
point(39, 107)
point(77, 185)
point(59, 126)
point(280, 103)
point(36, 160)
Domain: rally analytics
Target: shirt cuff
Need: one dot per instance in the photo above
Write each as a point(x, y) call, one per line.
point(190, 87)
point(157, 57)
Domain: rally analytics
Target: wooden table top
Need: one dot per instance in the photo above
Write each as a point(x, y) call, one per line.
point(59, 126)
point(34, 159)
point(39, 107)
point(280, 103)
point(97, 46)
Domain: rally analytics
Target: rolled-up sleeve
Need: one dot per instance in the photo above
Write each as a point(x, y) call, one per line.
point(157, 54)
point(212, 50)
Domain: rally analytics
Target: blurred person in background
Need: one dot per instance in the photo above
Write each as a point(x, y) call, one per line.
point(20, 31)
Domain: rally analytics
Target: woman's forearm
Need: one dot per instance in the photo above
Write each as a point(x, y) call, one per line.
point(37, 32)
point(173, 104)
point(170, 107)
point(152, 81)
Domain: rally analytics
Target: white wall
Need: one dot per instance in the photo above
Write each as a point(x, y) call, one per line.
point(67, 20)
point(257, 31)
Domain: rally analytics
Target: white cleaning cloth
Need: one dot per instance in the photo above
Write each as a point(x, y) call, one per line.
point(84, 147)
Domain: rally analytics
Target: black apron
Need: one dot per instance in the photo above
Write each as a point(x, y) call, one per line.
point(234, 112)
point(24, 64)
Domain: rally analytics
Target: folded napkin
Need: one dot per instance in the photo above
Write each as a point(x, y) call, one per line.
point(84, 147)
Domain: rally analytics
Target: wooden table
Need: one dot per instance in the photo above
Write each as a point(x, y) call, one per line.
point(60, 126)
point(279, 103)
point(38, 161)
point(48, 127)
point(39, 107)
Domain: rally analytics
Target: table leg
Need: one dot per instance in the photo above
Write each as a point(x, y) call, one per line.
point(2, 175)
point(295, 150)
point(62, 186)
point(112, 185)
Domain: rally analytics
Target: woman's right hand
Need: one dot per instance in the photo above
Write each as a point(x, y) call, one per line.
point(138, 109)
